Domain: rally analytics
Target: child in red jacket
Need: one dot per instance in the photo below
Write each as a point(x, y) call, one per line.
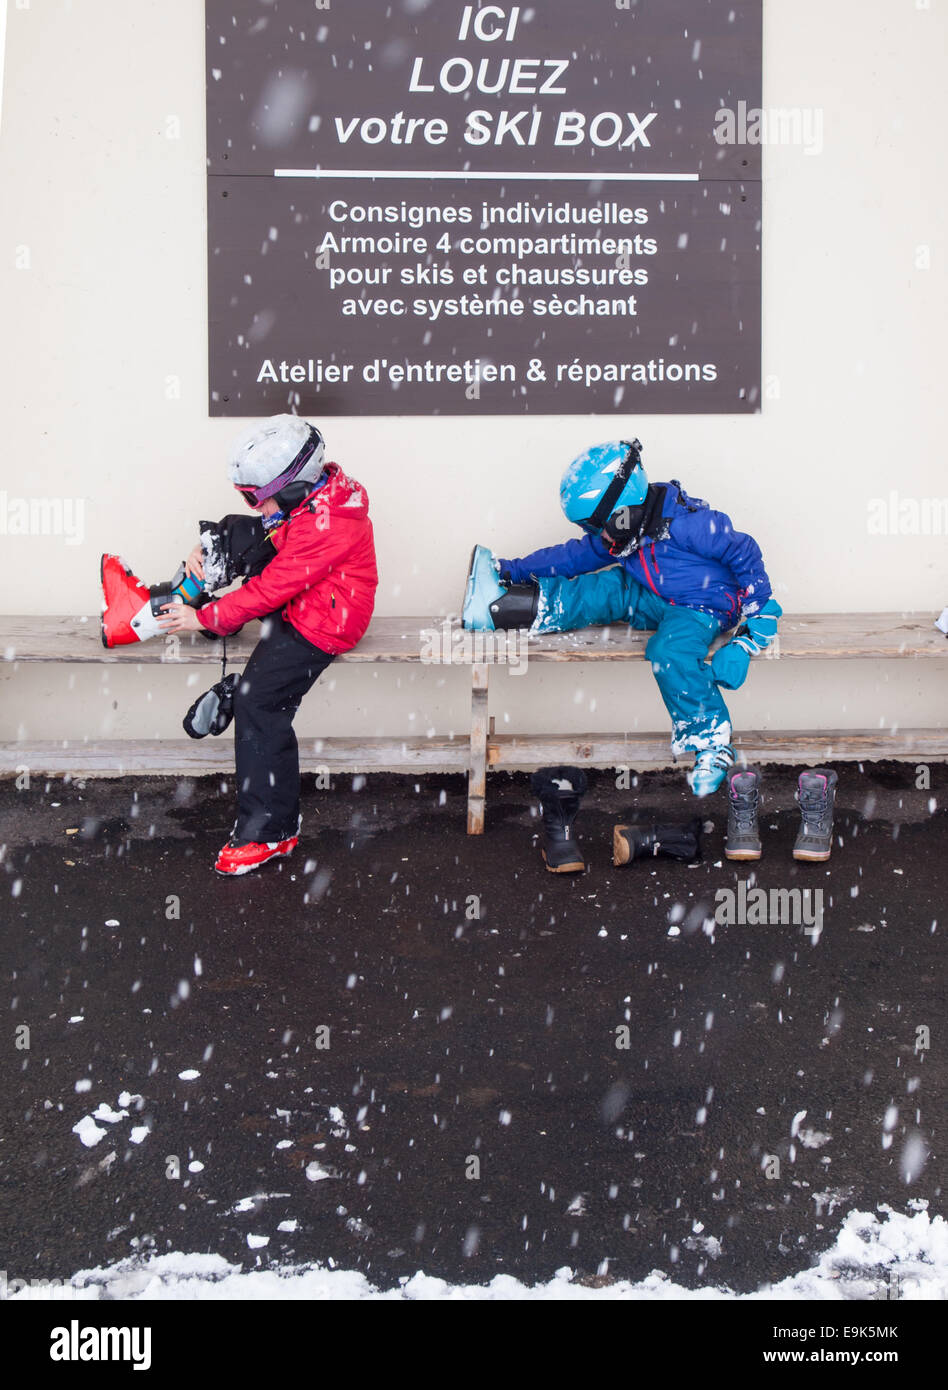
point(309, 569)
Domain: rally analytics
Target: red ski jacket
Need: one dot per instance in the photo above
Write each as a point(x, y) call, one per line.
point(323, 576)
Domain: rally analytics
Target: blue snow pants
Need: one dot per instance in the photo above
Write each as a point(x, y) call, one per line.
point(676, 650)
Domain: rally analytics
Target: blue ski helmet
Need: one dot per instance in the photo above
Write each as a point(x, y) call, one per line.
point(603, 479)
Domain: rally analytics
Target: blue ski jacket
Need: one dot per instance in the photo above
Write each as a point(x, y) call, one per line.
point(701, 562)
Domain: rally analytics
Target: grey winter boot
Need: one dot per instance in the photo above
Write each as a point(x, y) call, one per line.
point(743, 793)
point(816, 795)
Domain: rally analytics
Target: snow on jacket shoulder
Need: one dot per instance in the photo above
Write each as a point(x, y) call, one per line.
point(323, 576)
point(702, 563)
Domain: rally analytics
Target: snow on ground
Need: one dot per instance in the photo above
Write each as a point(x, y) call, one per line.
point(901, 1256)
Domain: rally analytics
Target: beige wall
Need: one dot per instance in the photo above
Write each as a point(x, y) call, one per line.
point(102, 278)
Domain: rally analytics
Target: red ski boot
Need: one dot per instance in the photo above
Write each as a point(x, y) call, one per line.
point(241, 859)
point(127, 611)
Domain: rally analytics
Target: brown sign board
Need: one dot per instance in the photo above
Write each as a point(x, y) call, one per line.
point(422, 207)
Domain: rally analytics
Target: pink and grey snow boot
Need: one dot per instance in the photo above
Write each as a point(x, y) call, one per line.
point(816, 794)
point(743, 795)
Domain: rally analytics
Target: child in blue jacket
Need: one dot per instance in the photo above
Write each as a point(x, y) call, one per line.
point(652, 557)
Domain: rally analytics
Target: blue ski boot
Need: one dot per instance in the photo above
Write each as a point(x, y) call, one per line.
point(490, 604)
point(710, 769)
point(483, 588)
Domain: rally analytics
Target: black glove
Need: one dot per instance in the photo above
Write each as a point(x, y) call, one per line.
point(213, 711)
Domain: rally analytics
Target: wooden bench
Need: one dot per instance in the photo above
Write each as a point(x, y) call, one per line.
point(432, 641)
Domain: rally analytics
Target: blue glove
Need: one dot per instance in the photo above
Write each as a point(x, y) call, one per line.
point(762, 626)
point(730, 664)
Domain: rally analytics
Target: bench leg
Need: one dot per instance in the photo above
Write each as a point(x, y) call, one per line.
point(477, 777)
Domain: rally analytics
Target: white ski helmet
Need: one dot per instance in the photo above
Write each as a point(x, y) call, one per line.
point(280, 458)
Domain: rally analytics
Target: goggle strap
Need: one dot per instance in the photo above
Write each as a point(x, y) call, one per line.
point(289, 473)
point(606, 504)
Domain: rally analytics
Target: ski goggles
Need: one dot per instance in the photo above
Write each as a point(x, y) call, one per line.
point(254, 496)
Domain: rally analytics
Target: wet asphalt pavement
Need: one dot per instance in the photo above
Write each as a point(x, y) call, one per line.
point(410, 1043)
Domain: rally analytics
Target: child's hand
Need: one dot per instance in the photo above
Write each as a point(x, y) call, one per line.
point(194, 564)
point(179, 617)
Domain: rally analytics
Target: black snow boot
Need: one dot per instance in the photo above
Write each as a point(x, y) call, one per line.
point(816, 794)
point(559, 790)
point(743, 794)
point(651, 839)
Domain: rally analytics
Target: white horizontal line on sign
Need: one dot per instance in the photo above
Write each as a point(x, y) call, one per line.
point(537, 175)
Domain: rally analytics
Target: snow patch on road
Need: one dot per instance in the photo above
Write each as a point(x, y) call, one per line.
point(814, 1138)
point(88, 1131)
point(110, 1116)
point(870, 1251)
point(252, 1203)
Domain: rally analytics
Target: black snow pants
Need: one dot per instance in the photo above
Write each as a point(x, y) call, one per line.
point(282, 668)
